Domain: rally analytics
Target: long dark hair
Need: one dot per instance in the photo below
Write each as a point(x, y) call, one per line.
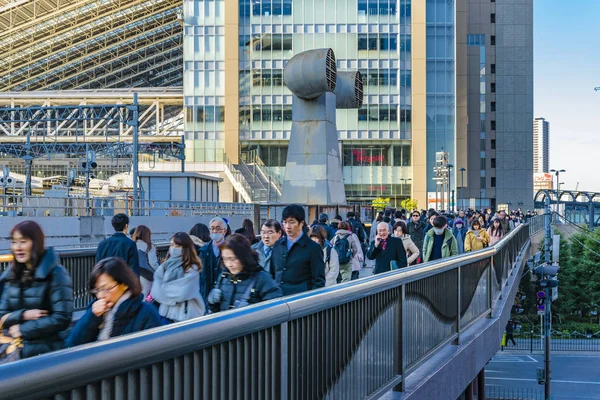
point(247, 230)
point(188, 251)
point(201, 231)
point(32, 231)
point(117, 269)
point(243, 251)
point(496, 232)
point(143, 233)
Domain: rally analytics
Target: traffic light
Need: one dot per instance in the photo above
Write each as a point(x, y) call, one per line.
point(547, 275)
point(541, 300)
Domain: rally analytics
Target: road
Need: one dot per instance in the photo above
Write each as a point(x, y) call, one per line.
point(574, 376)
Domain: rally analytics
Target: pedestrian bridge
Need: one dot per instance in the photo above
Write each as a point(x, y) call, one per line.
point(424, 332)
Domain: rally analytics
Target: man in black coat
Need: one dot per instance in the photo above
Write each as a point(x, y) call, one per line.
point(297, 262)
point(385, 249)
point(416, 229)
point(210, 255)
point(119, 245)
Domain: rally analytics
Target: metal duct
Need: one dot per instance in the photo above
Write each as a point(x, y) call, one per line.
point(311, 73)
point(349, 90)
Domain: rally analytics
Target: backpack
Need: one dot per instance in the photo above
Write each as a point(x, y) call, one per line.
point(343, 248)
point(357, 229)
point(146, 271)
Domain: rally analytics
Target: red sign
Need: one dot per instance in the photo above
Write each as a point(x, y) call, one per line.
point(360, 156)
point(378, 188)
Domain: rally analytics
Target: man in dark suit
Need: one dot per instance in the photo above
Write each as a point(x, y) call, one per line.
point(297, 262)
point(270, 233)
point(119, 245)
point(385, 249)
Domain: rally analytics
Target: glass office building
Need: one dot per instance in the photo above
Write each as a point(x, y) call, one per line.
point(238, 108)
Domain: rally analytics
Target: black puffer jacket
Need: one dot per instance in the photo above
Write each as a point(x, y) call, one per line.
point(235, 287)
point(51, 290)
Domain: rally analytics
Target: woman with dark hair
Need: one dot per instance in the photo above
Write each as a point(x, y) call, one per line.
point(477, 238)
point(495, 231)
point(412, 251)
point(247, 230)
point(243, 281)
point(176, 283)
point(200, 235)
point(330, 256)
point(119, 308)
point(142, 236)
point(37, 300)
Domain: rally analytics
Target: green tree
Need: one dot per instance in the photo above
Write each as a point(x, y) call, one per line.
point(409, 204)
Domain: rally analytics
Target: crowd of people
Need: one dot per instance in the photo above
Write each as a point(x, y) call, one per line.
point(212, 269)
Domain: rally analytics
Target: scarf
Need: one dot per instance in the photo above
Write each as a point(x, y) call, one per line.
point(109, 318)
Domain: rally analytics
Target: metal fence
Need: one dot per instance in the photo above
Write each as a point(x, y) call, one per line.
point(559, 341)
point(348, 341)
point(509, 393)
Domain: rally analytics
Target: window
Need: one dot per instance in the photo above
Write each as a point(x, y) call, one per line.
point(482, 182)
point(383, 112)
point(401, 155)
point(482, 162)
point(493, 181)
point(493, 144)
point(493, 87)
point(493, 40)
point(493, 106)
point(372, 42)
point(493, 163)
point(493, 18)
point(267, 77)
point(493, 125)
point(493, 68)
point(360, 155)
point(267, 8)
point(362, 41)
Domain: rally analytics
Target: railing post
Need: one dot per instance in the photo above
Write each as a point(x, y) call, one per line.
point(490, 286)
point(400, 356)
point(285, 370)
point(531, 341)
point(458, 305)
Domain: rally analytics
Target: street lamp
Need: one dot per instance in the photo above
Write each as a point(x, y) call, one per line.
point(462, 187)
point(449, 166)
point(557, 173)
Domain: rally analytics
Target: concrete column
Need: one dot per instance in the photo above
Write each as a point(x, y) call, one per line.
point(481, 385)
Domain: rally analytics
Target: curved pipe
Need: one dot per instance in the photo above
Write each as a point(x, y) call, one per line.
point(311, 73)
point(349, 90)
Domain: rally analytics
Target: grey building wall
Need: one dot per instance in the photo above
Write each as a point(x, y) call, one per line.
point(500, 156)
point(514, 98)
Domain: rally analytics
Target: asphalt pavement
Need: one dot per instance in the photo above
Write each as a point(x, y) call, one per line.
point(574, 376)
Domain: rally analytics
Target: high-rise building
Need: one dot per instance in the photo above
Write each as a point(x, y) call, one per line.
point(495, 71)
point(428, 68)
point(238, 108)
point(541, 146)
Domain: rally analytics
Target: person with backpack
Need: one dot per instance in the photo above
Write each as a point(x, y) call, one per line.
point(243, 281)
point(350, 255)
point(142, 236)
point(330, 255)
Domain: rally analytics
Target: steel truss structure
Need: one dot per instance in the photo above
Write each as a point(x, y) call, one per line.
point(85, 44)
point(38, 125)
point(581, 205)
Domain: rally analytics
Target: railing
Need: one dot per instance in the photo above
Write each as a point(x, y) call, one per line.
point(79, 263)
point(536, 224)
point(40, 206)
point(350, 341)
point(238, 181)
point(510, 393)
point(533, 341)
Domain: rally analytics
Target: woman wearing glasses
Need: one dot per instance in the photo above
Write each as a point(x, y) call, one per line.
point(243, 281)
point(119, 308)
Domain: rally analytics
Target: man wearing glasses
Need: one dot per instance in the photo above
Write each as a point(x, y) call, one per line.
point(269, 235)
point(210, 255)
point(415, 229)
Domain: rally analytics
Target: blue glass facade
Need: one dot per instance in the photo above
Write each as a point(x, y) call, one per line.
point(441, 90)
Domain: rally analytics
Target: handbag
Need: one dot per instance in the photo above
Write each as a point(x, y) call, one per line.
point(10, 348)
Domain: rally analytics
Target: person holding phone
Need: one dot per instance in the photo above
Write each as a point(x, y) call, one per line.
point(476, 238)
point(386, 249)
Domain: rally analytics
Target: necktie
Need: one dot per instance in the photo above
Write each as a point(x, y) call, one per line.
point(268, 251)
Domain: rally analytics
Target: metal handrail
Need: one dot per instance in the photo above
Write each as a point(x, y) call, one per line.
point(126, 358)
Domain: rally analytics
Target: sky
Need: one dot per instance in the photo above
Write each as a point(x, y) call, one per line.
point(566, 70)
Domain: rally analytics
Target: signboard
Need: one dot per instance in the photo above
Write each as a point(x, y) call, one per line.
point(542, 177)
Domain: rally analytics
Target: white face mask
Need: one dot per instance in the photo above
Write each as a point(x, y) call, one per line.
point(175, 251)
point(459, 226)
point(438, 231)
point(216, 237)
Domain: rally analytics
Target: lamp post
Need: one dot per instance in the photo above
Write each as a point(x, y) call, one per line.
point(449, 166)
point(462, 188)
point(557, 173)
point(404, 180)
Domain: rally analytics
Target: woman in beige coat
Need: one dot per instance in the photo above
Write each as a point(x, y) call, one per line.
point(344, 231)
point(477, 238)
point(412, 251)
